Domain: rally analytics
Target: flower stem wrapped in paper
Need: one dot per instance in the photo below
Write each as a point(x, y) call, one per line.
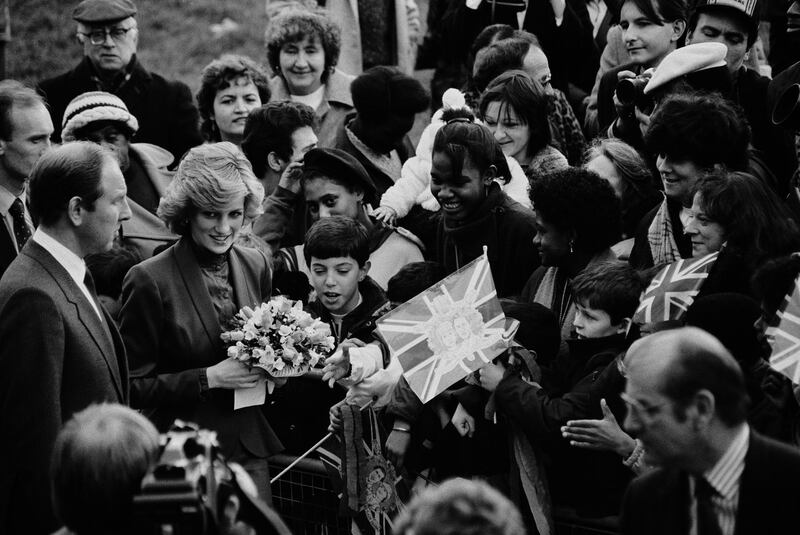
point(279, 337)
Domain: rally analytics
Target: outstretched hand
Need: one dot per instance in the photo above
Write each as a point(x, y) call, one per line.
point(385, 214)
point(338, 365)
point(602, 435)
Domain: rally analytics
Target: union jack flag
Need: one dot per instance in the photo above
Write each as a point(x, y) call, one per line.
point(784, 338)
point(673, 290)
point(448, 331)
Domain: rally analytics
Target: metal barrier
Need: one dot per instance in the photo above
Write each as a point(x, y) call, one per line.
point(304, 498)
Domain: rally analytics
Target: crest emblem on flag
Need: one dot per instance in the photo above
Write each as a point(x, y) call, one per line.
point(673, 290)
point(448, 331)
point(784, 338)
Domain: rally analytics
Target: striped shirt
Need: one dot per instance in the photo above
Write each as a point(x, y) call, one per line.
point(725, 477)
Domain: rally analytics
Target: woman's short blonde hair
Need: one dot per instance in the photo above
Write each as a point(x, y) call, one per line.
point(208, 177)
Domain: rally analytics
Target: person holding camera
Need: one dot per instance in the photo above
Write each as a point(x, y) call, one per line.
point(651, 29)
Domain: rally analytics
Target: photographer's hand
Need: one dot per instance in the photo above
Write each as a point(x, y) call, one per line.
point(232, 373)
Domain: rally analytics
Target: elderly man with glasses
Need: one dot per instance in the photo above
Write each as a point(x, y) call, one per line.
point(109, 34)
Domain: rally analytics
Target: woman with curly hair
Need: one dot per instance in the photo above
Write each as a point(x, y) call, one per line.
point(735, 214)
point(176, 304)
point(577, 222)
point(230, 87)
point(302, 51)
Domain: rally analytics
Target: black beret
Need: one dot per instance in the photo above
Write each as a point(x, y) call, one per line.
point(342, 167)
point(95, 11)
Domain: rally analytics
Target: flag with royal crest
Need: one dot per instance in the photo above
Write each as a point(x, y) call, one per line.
point(784, 336)
point(448, 331)
point(673, 290)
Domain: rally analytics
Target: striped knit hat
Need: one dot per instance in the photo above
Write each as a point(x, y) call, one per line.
point(95, 106)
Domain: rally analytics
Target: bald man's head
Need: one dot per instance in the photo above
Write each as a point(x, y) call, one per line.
point(681, 362)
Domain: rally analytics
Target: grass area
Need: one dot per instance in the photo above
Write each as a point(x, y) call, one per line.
point(174, 36)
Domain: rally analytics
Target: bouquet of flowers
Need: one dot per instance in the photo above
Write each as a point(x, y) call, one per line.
point(280, 337)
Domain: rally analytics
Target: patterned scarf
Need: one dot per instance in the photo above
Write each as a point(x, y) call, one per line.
point(663, 246)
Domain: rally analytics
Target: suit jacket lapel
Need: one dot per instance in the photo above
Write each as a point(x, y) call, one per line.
point(198, 293)
point(84, 311)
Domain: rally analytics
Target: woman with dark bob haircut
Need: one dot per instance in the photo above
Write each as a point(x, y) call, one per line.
point(230, 87)
point(735, 214)
point(302, 51)
point(176, 304)
point(514, 107)
point(577, 222)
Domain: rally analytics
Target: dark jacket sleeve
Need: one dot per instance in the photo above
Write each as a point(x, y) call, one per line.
point(404, 403)
point(142, 327)
point(272, 225)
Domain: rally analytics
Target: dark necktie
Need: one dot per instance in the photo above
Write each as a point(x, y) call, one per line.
point(707, 521)
point(21, 230)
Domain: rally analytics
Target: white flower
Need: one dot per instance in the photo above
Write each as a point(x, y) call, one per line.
point(278, 364)
point(284, 330)
point(233, 351)
point(237, 336)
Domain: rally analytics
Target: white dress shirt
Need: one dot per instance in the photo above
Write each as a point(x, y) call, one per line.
point(725, 477)
point(74, 264)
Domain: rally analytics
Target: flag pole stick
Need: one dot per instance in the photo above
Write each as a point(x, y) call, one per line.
point(312, 448)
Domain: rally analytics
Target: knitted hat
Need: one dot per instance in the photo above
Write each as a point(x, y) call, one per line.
point(686, 60)
point(103, 11)
point(341, 167)
point(95, 106)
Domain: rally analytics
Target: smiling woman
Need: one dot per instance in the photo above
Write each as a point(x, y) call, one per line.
point(302, 51)
point(175, 305)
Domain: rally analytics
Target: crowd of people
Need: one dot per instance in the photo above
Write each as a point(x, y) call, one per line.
point(581, 145)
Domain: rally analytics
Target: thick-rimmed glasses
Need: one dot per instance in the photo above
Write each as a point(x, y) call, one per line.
point(98, 37)
point(644, 413)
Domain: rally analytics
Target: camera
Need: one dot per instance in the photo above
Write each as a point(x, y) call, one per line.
point(192, 490)
point(630, 92)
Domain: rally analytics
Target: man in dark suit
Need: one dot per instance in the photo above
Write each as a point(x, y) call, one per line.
point(59, 349)
point(108, 31)
point(687, 404)
point(25, 129)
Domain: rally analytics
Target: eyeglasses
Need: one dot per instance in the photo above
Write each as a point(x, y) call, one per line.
point(643, 412)
point(98, 37)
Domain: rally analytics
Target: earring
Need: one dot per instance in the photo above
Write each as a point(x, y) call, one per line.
point(571, 246)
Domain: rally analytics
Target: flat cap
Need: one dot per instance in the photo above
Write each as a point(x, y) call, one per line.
point(685, 60)
point(341, 167)
point(95, 11)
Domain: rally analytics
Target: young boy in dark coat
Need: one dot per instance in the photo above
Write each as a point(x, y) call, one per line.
point(337, 252)
point(607, 296)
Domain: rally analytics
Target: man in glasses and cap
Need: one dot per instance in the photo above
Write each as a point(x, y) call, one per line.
point(108, 31)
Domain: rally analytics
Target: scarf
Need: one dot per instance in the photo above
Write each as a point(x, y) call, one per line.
point(555, 293)
point(663, 246)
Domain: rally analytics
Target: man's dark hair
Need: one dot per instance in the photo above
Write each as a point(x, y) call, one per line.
point(579, 200)
point(613, 287)
point(497, 58)
point(774, 280)
point(660, 11)
point(702, 128)
point(337, 236)
point(72, 170)
point(695, 368)
point(269, 128)
point(413, 279)
point(14, 93)
point(382, 93)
